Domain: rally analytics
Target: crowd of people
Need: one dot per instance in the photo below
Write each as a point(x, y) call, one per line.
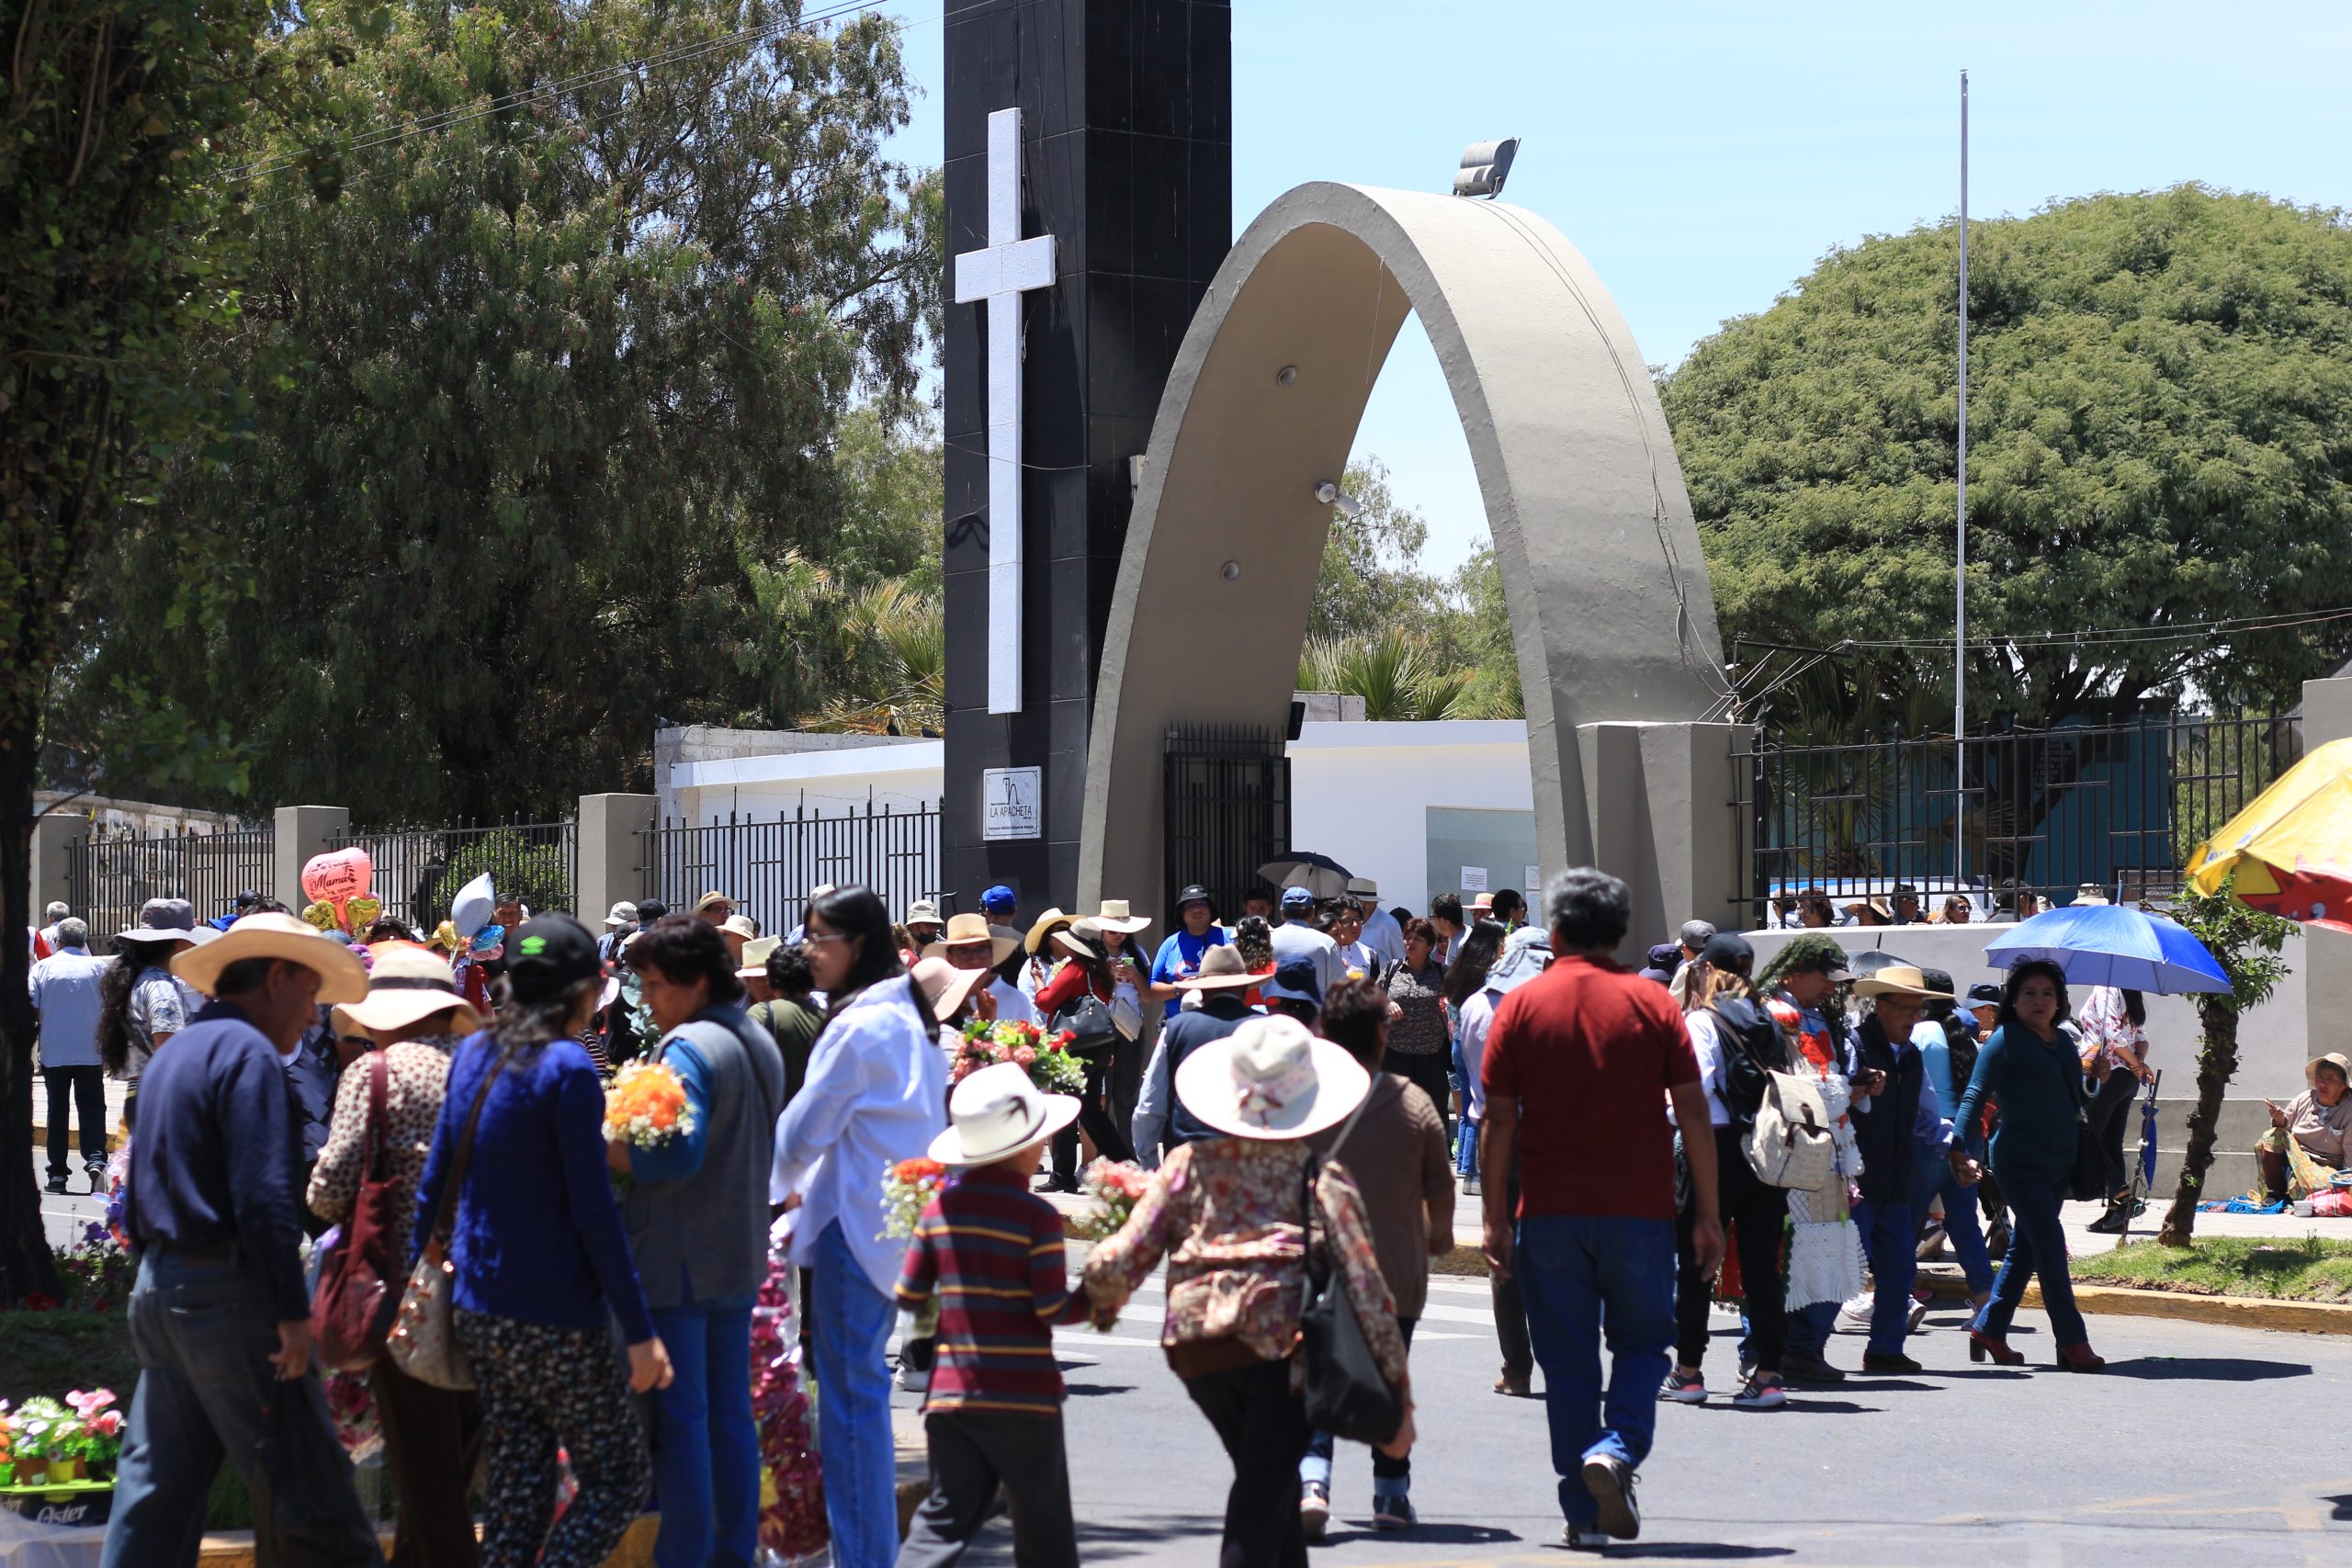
point(1309, 1082)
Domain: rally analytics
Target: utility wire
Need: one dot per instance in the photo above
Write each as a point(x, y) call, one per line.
point(2122, 636)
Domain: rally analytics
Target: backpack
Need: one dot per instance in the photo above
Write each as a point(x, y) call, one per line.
point(1787, 1141)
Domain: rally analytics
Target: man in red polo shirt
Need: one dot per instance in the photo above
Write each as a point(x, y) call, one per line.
point(1585, 1058)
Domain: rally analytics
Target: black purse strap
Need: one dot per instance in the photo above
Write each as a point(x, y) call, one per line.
point(379, 1111)
point(443, 1218)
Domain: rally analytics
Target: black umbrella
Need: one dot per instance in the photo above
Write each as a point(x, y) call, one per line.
point(1319, 874)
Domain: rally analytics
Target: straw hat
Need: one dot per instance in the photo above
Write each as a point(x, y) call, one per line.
point(756, 953)
point(1899, 980)
point(1114, 917)
point(944, 986)
point(974, 927)
point(1082, 939)
point(2335, 1059)
point(407, 984)
point(1271, 1078)
point(1043, 927)
point(1875, 906)
point(1222, 970)
point(997, 1112)
point(342, 977)
point(168, 920)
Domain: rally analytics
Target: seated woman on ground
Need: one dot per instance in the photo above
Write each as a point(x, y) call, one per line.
point(2307, 1144)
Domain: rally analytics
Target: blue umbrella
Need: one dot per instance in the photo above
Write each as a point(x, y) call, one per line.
point(2109, 944)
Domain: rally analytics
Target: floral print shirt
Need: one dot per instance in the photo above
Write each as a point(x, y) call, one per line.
point(417, 1080)
point(2106, 1022)
point(1225, 1214)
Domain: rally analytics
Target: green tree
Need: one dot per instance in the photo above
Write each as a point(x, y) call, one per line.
point(2159, 433)
point(119, 249)
point(1372, 574)
point(1394, 672)
point(2247, 943)
point(577, 347)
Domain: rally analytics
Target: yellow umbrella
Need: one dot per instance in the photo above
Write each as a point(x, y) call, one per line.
point(2291, 849)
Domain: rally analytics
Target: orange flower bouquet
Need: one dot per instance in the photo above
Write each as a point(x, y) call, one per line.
point(908, 1189)
point(647, 1106)
point(1118, 1186)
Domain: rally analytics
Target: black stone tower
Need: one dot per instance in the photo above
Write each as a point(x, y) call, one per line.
point(1126, 142)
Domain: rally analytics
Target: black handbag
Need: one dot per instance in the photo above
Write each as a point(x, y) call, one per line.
point(1347, 1393)
point(1093, 1032)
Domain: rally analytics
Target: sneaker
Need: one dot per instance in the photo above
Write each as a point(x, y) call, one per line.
point(1470, 1187)
point(1747, 1370)
point(1856, 1312)
point(1683, 1389)
point(1611, 1482)
point(1890, 1362)
point(1757, 1394)
point(1578, 1538)
point(1314, 1509)
point(1511, 1387)
point(1808, 1367)
point(1394, 1513)
point(2109, 1224)
point(57, 1183)
point(914, 1378)
point(1918, 1314)
point(1931, 1245)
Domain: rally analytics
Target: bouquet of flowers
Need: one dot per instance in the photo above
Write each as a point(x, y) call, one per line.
point(1118, 1186)
point(1044, 1057)
point(646, 1106)
point(908, 1189)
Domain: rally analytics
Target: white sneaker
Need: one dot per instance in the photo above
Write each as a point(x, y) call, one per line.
point(1856, 1312)
point(1589, 1540)
point(910, 1379)
point(1919, 1312)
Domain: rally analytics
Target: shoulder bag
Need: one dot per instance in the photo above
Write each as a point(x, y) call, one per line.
point(1347, 1395)
point(351, 1310)
point(424, 1341)
point(1790, 1145)
point(1095, 1030)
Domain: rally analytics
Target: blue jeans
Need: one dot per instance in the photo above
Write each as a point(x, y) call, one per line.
point(1390, 1477)
point(1584, 1277)
point(1965, 1228)
point(852, 1323)
point(1891, 1244)
point(1809, 1328)
point(204, 1332)
point(1465, 1148)
point(706, 1461)
point(2037, 1246)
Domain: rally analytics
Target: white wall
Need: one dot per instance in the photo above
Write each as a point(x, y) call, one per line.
point(1359, 792)
point(904, 776)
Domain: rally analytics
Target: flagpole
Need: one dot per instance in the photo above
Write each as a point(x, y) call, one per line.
point(1960, 569)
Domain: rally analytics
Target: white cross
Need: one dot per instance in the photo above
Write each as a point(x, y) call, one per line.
point(999, 273)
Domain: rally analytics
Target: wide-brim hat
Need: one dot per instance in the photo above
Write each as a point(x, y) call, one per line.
point(407, 984)
point(924, 912)
point(1878, 907)
point(1526, 953)
point(756, 953)
point(974, 927)
point(2333, 1058)
point(1115, 916)
point(1194, 892)
point(1222, 970)
point(1045, 926)
point(741, 927)
point(1271, 1078)
point(944, 988)
point(1082, 939)
point(997, 1112)
point(1899, 980)
point(168, 920)
point(1363, 887)
point(343, 979)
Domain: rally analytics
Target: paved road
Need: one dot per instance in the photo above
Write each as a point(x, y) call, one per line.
point(2202, 1446)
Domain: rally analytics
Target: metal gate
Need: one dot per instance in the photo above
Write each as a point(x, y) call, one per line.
point(1228, 812)
point(108, 877)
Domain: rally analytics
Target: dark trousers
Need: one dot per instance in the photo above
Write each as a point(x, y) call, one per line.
point(204, 1331)
point(432, 1443)
point(70, 1089)
point(1511, 1308)
point(973, 1453)
point(1757, 1214)
point(2108, 1114)
point(1430, 1072)
point(1263, 1428)
point(2037, 1248)
point(1094, 1115)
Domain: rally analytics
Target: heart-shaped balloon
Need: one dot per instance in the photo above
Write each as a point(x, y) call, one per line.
point(337, 877)
point(361, 912)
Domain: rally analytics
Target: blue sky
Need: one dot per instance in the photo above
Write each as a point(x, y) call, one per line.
point(1705, 156)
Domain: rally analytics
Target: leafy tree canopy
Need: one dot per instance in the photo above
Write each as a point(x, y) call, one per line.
point(577, 344)
point(2159, 433)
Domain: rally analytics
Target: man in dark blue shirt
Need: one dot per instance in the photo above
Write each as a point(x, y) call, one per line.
point(219, 1317)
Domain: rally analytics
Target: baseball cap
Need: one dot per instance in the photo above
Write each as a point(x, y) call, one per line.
point(1983, 994)
point(1297, 899)
point(1728, 949)
point(1293, 982)
point(548, 953)
point(1697, 934)
point(997, 901)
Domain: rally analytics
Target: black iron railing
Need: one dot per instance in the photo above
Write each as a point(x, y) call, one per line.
point(420, 870)
point(108, 877)
point(1227, 811)
point(766, 865)
point(2044, 811)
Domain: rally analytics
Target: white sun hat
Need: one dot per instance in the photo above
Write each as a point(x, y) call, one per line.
point(1271, 1078)
point(998, 1111)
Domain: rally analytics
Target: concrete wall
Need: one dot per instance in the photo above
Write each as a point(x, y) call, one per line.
point(903, 775)
point(1360, 793)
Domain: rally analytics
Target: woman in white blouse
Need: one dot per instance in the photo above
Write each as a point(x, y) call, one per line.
point(2114, 1045)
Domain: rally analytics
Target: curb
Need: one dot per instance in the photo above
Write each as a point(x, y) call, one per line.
point(2180, 1306)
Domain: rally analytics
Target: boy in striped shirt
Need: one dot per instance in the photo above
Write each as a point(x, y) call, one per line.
point(991, 1252)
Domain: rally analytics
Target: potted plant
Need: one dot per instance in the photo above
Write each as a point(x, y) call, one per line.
point(57, 1458)
point(39, 1431)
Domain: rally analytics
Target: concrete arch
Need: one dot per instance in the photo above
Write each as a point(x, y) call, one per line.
point(1611, 610)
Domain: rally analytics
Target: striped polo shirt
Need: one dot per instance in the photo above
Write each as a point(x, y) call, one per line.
point(993, 1253)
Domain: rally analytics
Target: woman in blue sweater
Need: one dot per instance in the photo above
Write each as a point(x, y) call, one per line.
point(2032, 1071)
point(541, 1262)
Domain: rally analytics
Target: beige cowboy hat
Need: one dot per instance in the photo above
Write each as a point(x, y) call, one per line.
point(408, 983)
point(756, 953)
point(997, 1112)
point(1271, 1078)
point(1879, 906)
point(343, 978)
point(1114, 917)
point(713, 896)
point(945, 987)
point(1222, 970)
point(1363, 887)
point(2335, 1059)
point(1899, 980)
point(1043, 927)
point(974, 927)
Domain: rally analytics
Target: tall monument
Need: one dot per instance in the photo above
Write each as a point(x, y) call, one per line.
point(1088, 186)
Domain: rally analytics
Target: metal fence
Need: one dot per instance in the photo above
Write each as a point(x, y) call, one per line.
point(2039, 810)
point(420, 870)
point(767, 865)
point(1227, 811)
point(108, 878)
